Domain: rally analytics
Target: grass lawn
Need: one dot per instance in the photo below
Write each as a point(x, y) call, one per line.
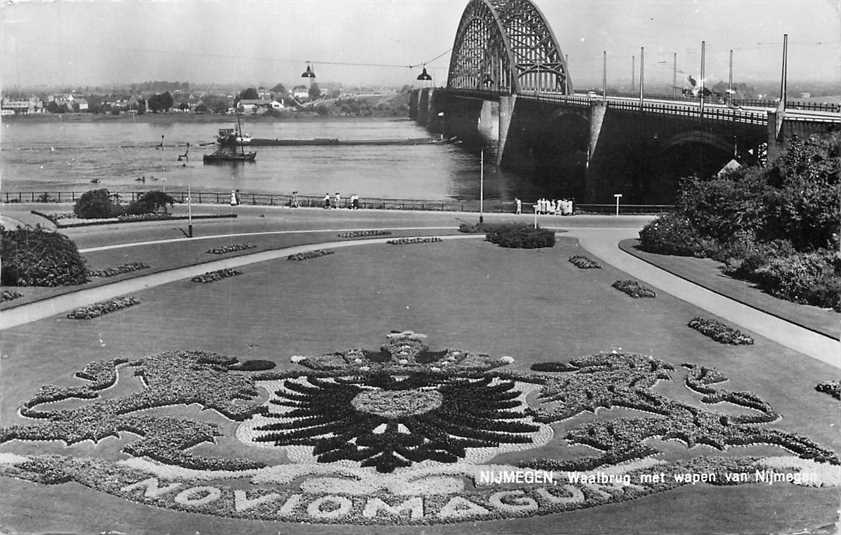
point(530, 304)
point(707, 273)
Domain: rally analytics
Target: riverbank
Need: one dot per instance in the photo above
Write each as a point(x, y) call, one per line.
point(178, 117)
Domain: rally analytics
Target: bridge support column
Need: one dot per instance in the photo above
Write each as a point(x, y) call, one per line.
point(597, 113)
point(775, 142)
point(414, 97)
point(506, 112)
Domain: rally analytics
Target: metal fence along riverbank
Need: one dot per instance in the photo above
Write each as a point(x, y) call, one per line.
point(314, 201)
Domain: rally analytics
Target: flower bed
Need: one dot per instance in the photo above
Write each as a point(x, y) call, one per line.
point(309, 254)
point(364, 234)
point(119, 270)
point(584, 262)
point(9, 295)
point(833, 388)
point(104, 307)
point(634, 289)
point(232, 248)
point(719, 332)
point(516, 236)
point(213, 276)
point(412, 241)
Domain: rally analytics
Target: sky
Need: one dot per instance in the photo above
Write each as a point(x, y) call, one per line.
point(262, 42)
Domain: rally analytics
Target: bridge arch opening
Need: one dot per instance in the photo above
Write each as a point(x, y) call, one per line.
point(559, 150)
point(689, 153)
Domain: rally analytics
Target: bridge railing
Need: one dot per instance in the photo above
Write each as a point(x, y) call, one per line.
point(314, 201)
point(790, 104)
point(713, 113)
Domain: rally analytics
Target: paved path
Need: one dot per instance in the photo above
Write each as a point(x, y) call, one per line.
point(601, 241)
point(67, 302)
point(604, 244)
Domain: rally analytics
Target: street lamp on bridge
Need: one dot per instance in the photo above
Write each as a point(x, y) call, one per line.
point(424, 76)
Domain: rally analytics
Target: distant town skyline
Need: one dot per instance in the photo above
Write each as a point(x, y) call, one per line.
point(374, 42)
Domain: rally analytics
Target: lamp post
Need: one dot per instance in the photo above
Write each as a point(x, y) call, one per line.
point(642, 75)
point(189, 212)
point(617, 196)
point(481, 186)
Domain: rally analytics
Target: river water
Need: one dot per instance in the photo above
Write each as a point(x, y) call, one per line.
point(67, 155)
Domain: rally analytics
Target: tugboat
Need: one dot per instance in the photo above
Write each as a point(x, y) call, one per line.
point(230, 156)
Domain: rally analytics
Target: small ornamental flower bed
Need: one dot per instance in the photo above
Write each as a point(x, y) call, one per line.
point(213, 276)
point(364, 234)
point(584, 262)
point(8, 295)
point(105, 307)
point(232, 248)
point(119, 270)
point(517, 236)
point(634, 289)
point(720, 332)
point(833, 388)
point(412, 241)
point(309, 254)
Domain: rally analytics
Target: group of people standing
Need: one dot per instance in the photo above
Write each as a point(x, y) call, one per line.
point(337, 201)
point(553, 207)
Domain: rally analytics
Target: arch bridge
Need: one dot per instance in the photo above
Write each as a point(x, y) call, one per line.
point(509, 91)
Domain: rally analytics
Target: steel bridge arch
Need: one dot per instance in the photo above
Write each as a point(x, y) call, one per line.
point(506, 47)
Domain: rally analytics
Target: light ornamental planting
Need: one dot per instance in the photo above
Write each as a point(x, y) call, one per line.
point(402, 434)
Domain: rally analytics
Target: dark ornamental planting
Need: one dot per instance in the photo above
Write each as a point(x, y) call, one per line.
point(363, 234)
point(413, 241)
point(105, 307)
point(833, 388)
point(119, 270)
point(516, 236)
point(232, 248)
point(634, 289)
point(584, 262)
point(387, 423)
point(213, 276)
point(719, 332)
point(309, 254)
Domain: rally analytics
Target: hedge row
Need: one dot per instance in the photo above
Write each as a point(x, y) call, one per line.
point(516, 236)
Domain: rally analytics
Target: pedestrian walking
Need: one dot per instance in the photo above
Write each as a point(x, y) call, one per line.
point(326, 201)
point(338, 199)
point(354, 201)
point(294, 203)
point(234, 200)
point(518, 206)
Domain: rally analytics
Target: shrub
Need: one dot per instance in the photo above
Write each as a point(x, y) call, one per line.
point(517, 236)
point(634, 289)
point(97, 204)
point(149, 203)
point(34, 257)
point(9, 295)
point(813, 278)
point(670, 234)
point(720, 332)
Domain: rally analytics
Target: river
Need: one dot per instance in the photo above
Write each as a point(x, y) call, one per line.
point(67, 155)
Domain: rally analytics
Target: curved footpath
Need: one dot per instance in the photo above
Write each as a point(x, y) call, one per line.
point(604, 244)
point(601, 241)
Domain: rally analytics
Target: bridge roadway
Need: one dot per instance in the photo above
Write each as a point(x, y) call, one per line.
point(712, 110)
